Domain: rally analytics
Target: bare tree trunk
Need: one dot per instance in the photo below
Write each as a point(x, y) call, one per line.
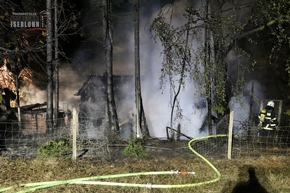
point(49, 110)
point(56, 62)
point(207, 64)
point(140, 118)
point(112, 112)
point(174, 134)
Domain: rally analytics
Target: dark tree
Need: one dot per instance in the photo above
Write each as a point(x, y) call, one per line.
point(140, 113)
point(108, 45)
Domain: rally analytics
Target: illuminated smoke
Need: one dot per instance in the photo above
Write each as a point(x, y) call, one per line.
point(158, 102)
point(245, 105)
point(32, 95)
point(69, 81)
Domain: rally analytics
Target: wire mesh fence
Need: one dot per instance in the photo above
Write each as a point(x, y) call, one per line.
point(253, 141)
point(30, 139)
point(92, 141)
point(24, 139)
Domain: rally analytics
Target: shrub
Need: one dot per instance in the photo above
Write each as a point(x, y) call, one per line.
point(135, 148)
point(54, 148)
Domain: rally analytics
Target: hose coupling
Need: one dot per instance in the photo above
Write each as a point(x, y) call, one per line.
point(149, 185)
point(185, 172)
point(175, 171)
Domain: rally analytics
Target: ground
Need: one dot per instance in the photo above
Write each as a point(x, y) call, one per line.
point(273, 172)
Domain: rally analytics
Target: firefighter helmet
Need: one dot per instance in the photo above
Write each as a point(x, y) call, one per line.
point(271, 104)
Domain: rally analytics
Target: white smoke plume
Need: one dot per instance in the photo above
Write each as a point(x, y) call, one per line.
point(32, 95)
point(158, 102)
point(69, 83)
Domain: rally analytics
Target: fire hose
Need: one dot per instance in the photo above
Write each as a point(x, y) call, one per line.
point(30, 187)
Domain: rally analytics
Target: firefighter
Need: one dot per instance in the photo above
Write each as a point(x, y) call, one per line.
point(267, 120)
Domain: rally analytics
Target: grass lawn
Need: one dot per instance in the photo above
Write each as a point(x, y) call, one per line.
point(272, 172)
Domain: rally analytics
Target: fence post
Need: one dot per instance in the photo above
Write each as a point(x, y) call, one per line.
point(74, 133)
point(230, 136)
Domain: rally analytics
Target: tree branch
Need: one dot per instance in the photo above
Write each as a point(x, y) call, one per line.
point(255, 30)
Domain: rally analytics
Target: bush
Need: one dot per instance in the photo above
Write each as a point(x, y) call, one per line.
point(54, 148)
point(135, 148)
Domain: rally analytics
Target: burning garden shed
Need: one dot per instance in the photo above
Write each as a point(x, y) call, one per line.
point(93, 105)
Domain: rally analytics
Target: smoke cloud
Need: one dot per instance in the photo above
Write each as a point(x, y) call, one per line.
point(69, 82)
point(32, 95)
point(158, 102)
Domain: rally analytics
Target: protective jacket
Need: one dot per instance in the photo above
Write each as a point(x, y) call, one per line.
point(268, 120)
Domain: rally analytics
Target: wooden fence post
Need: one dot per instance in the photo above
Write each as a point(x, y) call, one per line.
point(230, 135)
point(74, 133)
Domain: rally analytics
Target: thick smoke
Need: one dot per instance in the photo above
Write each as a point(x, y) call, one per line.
point(245, 105)
point(158, 102)
point(32, 95)
point(69, 83)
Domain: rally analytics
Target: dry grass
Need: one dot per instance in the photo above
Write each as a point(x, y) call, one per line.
point(273, 173)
